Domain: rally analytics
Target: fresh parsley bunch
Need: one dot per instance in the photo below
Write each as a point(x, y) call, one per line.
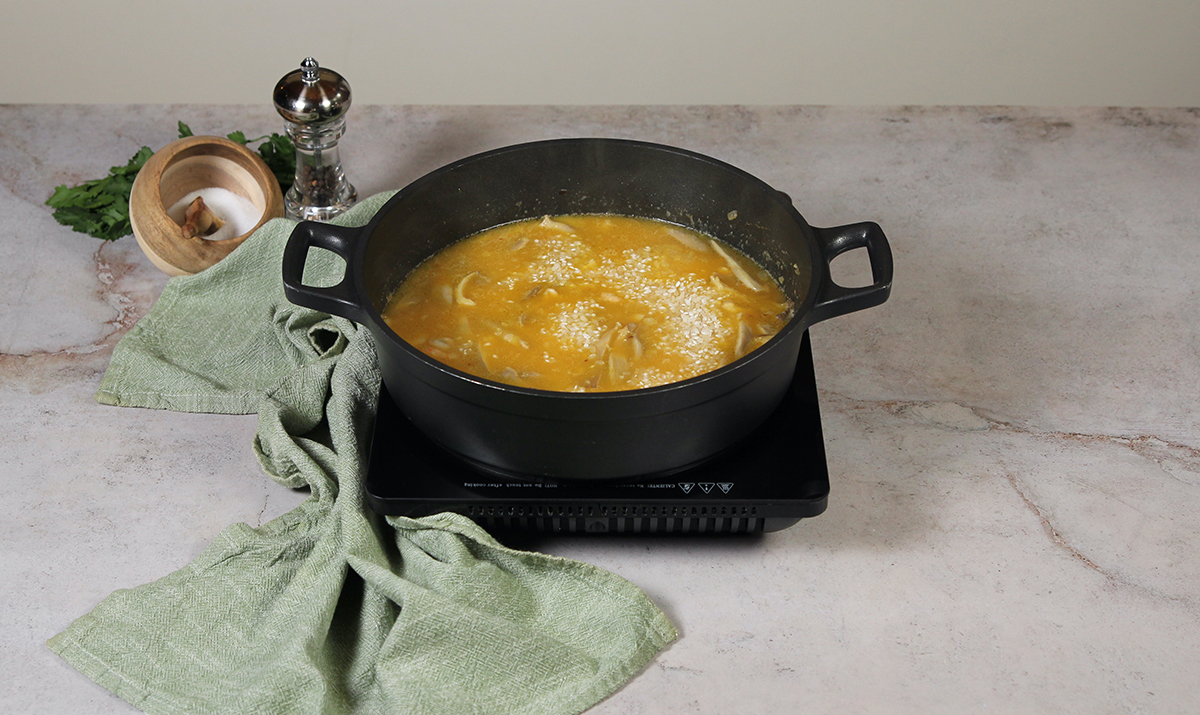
point(100, 207)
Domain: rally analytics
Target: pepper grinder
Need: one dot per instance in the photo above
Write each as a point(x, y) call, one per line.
point(314, 101)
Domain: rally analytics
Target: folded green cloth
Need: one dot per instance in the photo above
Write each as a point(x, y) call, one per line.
point(331, 608)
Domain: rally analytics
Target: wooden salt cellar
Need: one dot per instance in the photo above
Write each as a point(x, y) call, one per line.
point(184, 166)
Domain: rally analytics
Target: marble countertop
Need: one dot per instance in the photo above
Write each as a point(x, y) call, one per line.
point(1013, 439)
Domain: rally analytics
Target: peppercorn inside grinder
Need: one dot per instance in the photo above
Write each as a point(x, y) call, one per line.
point(314, 101)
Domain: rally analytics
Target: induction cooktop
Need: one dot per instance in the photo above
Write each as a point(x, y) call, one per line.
point(767, 482)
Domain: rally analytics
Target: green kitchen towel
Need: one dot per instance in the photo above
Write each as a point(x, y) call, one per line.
point(330, 608)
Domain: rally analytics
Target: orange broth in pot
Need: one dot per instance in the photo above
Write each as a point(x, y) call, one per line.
point(587, 303)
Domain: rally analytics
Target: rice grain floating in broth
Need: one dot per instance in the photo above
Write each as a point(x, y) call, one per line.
point(587, 303)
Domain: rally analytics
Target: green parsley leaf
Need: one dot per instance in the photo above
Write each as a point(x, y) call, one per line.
point(279, 155)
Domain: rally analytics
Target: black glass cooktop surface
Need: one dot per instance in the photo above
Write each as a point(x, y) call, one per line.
point(769, 481)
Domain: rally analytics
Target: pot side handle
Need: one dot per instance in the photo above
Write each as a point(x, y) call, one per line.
point(340, 299)
point(834, 300)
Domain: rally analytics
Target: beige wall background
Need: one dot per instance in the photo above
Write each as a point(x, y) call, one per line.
point(848, 52)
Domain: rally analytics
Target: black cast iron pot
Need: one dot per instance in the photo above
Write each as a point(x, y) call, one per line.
point(544, 435)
